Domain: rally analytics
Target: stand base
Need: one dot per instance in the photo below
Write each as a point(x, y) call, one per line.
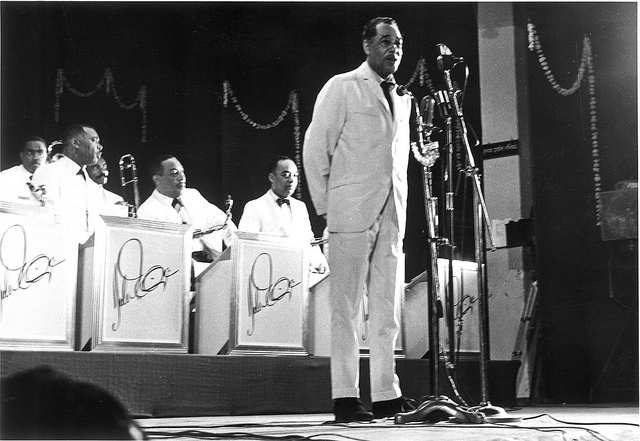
point(437, 409)
point(495, 414)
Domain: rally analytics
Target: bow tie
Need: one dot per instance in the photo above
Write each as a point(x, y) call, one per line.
point(281, 201)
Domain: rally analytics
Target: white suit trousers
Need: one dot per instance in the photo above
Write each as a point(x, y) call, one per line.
point(368, 259)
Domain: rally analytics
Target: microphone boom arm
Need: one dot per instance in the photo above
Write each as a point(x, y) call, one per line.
point(471, 169)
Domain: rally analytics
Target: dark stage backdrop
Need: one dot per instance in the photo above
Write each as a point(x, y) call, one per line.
point(588, 286)
point(183, 53)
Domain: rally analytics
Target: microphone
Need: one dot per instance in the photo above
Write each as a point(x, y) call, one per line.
point(446, 60)
point(402, 91)
point(426, 108)
point(444, 104)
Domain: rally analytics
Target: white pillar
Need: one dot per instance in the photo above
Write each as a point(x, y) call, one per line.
point(506, 185)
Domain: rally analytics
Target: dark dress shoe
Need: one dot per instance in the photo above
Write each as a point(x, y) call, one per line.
point(388, 408)
point(347, 410)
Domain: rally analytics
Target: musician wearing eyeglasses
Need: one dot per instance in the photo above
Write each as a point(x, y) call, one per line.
point(15, 182)
point(172, 201)
point(277, 212)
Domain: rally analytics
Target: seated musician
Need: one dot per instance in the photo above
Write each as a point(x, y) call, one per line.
point(171, 201)
point(15, 182)
point(112, 203)
point(276, 212)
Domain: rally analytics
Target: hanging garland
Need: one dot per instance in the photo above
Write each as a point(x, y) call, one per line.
point(586, 64)
point(107, 80)
point(420, 74)
point(292, 104)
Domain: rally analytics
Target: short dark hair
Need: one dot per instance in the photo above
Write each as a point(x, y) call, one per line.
point(370, 29)
point(74, 130)
point(156, 167)
point(31, 139)
point(274, 163)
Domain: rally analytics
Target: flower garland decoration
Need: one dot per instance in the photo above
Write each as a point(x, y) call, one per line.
point(107, 80)
point(586, 65)
point(422, 75)
point(292, 105)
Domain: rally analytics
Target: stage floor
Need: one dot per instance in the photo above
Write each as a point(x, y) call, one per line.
point(563, 423)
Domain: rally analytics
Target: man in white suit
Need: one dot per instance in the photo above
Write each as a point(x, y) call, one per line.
point(276, 212)
point(15, 182)
point(171, 201)
point(356, 152)
point(64, 184)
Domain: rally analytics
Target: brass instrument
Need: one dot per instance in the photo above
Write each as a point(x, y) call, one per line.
point(129, 175)
point(197, 233)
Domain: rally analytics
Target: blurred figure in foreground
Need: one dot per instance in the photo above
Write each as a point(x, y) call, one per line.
point(42, 403)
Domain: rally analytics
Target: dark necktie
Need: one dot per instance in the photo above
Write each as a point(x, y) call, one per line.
point(387, 86)
point(86, 197)
point(177, 205)
point(281, 201)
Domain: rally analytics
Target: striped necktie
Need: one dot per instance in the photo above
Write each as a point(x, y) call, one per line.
point(177, 205)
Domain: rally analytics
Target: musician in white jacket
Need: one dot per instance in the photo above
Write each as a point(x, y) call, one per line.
point(15, 182)
point(277, 212)
point(171, 201)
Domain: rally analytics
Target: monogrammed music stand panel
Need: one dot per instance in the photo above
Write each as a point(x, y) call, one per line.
point(38, 269)
point(142, 272)
point(269, 296)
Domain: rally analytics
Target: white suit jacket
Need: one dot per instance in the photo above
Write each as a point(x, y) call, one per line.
point(74, 197)
point(264, 215)
point(14, 187)
point(113, 204)
point(202, 213)
point(355, 152)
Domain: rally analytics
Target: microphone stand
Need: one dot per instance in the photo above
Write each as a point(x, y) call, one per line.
point(480, 213)
point(437, 407)
point(445, 111)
